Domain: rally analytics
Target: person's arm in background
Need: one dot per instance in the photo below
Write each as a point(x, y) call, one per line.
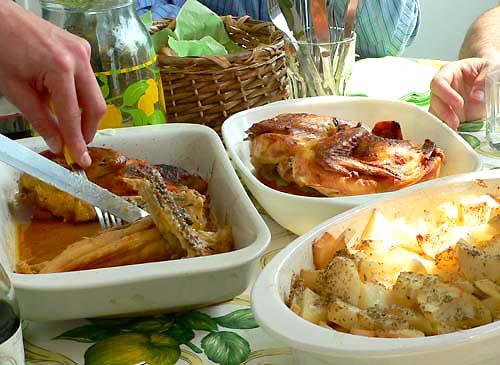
point(483, 37)
point(160, 8)
point(41, 62)
point(383, 27)
point(457, 90)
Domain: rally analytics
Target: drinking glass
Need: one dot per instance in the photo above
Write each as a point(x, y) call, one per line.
point(492, 101)
point(317, 69)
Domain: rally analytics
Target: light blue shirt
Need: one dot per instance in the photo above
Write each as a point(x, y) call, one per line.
point(383, 27)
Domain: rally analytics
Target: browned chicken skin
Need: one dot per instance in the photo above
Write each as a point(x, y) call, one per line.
point(104, 161)
point(336, 158)
point(110, 170)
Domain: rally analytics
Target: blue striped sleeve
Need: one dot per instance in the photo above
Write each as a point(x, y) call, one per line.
point(257, 9)
point(159, 8)
point(383, 27)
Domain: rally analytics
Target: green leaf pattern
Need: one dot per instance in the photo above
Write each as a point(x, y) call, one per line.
point(138, 116)
point(158, 339)
point(158, 117)
point(242, 318)
point(198, 321)
point(472, 140)
point(474, 126)
point(89, 334)
point(134, 92)
point(226, 348)
point(130, 103)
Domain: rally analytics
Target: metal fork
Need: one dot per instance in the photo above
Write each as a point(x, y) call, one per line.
point(106, 219)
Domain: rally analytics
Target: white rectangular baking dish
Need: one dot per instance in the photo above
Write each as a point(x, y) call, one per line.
point(151, 287)
point(313, 344)
point(300, 213)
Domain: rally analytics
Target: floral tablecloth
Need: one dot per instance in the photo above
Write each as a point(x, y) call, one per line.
point(226, 333)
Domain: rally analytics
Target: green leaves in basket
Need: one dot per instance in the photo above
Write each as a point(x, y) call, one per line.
point(147, 19)
point(161, 38)
point(197, 23)
point(207, 46)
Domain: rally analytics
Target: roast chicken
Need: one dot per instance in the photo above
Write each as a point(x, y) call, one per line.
point(333, 157)
point(181, 222)
point(110, 170)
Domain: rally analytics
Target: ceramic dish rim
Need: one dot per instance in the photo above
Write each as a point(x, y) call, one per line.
point(272, 314)
point(231, 144)
point(103, 277)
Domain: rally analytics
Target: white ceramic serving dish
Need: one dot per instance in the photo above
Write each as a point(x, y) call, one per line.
point(299, 213)
point(150, 287)
point(313, 344)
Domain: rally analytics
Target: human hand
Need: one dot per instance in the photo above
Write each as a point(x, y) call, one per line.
point(42, 62)
point(457, 90)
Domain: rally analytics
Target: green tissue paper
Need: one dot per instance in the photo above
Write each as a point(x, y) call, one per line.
point(193, 48)
point(198, 32)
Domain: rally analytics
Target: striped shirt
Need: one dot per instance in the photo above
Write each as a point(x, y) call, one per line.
point(383, 27)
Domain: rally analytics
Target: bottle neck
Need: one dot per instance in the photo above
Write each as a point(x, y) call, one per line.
point(87, 6)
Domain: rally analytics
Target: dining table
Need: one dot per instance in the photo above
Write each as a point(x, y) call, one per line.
point(227, 333)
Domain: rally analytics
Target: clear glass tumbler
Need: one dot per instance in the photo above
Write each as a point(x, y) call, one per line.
point(123, 57)
point(492, 101)
point(318, 69)
point(11, 339)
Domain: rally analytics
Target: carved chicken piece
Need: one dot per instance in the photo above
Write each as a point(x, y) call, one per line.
point(177, 226)
point(44, 197)
point(110, 170)
point(342, 159)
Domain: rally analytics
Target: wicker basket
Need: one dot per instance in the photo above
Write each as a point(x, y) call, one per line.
point(207, 90)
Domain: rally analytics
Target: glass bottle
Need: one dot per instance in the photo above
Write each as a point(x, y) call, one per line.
point(123, 58)
point(11, 339)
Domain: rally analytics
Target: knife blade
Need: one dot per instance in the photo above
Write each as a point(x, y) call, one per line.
point(30, 162)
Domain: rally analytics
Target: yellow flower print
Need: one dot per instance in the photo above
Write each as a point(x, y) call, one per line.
point(112, 118)
point(152, 90)
point(146, 104)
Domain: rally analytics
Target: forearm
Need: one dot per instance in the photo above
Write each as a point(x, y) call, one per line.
point(383, 27)
point(483, 37)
